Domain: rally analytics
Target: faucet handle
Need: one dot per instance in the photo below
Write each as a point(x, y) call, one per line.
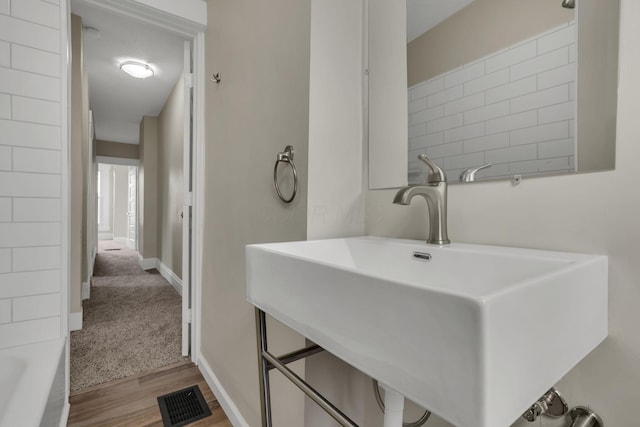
point(435, 174)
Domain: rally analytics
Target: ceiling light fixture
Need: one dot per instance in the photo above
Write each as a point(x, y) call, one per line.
point(136, 69)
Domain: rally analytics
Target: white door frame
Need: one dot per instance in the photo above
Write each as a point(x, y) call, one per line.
point(187, 205)
point(197, 210)
point(182, 26)
point(135, 206)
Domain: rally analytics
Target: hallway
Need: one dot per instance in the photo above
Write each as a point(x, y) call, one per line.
point(131, 323)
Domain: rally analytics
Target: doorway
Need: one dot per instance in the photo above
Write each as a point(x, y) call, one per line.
point(116, 196)
point(134, 237)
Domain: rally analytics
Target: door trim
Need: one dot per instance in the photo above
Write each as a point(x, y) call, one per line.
point(121, 161)
point(187, 205)
point(197, 164)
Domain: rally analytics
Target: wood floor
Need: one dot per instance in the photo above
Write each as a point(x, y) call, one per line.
point(132, 402)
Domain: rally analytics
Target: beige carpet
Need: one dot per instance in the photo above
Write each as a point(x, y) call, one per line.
point(131, 323)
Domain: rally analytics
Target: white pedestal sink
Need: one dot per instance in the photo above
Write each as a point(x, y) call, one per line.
point(476, 333)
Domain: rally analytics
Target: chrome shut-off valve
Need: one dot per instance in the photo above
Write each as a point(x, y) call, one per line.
point(552, 404)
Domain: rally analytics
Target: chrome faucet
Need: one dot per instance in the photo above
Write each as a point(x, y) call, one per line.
point(470, 174)
point(435, 193)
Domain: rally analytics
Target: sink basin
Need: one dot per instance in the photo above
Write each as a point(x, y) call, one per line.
point(474, 333)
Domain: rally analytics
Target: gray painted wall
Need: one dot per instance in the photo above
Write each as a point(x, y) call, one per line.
point(170, 179)
point(262, 105)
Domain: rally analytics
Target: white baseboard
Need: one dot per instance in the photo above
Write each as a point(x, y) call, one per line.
point(75, 321)
point(64, 416)
point(147, 263)
point(170, 276)
point(105, 236)
point(86, 290)
point(121, 240)
point(229, 408)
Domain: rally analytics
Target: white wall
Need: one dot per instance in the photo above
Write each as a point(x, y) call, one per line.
point(591, 213)
point(388, 75)
point(33, 153)
point(335, 202)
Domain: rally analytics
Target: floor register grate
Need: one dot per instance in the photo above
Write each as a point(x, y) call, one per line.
point(183, 407)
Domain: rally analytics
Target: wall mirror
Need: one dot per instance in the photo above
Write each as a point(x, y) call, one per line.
point(527, 87)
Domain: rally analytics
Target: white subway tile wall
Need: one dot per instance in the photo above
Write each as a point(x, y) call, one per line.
point(31, 162)
point(36, 210)
point(5, 261)
point(514, 108)
point(29, 332)
point(5, 311)
point(29, 283)
point(5, 106)
point(36, 307)
point(35, 110)
point(34, 60)
point(5, 158)
point(5, 209)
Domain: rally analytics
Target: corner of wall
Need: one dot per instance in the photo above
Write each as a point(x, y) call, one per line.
point(75, 320)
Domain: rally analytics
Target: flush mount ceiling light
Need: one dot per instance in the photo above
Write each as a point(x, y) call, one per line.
point(139, 70)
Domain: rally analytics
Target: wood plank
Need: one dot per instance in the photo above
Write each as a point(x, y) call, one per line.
point(133, 401)
point(125, 379)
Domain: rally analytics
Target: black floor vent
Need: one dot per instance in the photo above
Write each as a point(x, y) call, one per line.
point(183, 407)
point(112, 249)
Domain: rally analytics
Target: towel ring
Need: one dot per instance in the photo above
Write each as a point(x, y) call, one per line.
point(286, 156)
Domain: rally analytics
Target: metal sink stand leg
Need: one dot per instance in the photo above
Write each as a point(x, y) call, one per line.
point(267, 362)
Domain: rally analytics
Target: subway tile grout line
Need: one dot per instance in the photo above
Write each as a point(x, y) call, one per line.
point(33, 223)
point(27, 122)
point(34, 197)
point(56, 52)
point(22, 70)
point(11, 15)
point(30, 148)
point(34, 48)
point(43, 270)
point(52, 174)
point(34, 123)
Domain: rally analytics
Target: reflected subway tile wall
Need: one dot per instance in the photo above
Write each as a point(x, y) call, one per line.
point(514, 109)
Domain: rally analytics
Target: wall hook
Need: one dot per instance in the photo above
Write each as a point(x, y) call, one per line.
point(216, 78)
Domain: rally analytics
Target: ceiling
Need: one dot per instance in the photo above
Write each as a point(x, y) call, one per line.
point(118, 100)
point(422, 15)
